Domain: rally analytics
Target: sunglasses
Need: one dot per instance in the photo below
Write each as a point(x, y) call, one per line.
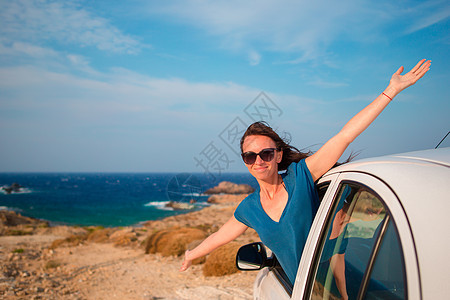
point(266, 155)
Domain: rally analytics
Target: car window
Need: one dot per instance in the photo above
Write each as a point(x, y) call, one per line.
point(348, 243)
point(387, 278)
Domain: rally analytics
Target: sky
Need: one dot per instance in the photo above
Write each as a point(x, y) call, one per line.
point(169, 86)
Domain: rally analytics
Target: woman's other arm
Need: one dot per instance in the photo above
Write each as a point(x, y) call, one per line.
point(321, 161)
point(228, 232)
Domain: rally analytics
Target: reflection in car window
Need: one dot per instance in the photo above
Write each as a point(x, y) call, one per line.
point(351, 236)
point(387, 279)
point(322, 189)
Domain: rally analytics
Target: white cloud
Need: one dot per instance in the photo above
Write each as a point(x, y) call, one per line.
point(78, 60)
point(47, 58)
point(119, 93)
point(64, 22)
point(21, 48)
point(435, 13)
point(327, 84)
point(292, 26)
point(254, 58)
point(302, 29)
point(118, 112)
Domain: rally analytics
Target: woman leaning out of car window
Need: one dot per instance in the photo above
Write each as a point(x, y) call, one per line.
point(282, 209)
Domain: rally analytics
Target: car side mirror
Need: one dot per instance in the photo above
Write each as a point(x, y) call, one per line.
point(252, 257)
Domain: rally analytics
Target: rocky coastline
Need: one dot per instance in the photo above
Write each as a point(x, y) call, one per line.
point(39, 261)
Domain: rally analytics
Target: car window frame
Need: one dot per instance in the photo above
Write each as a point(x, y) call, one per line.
point(282, 277)
point(302, 286)
point(310, 246)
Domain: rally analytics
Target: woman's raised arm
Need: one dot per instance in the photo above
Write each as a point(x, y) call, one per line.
point(321, 161)
point(228, 232)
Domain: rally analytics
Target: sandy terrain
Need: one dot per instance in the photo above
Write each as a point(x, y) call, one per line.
point(116, 267)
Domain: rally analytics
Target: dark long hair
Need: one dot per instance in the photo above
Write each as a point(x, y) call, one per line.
point(290, 153)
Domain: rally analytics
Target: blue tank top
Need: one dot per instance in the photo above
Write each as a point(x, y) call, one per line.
point(287, 237)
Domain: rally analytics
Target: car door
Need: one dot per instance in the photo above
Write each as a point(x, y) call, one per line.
point(360, 245)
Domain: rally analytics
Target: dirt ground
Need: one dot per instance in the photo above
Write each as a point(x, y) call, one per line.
point(32, 269)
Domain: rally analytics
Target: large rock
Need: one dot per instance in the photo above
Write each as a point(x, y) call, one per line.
point(226, 199)
point(11, 218)
point(12, 223)
point(226, 187)
point(180, 205)
point(13, 188)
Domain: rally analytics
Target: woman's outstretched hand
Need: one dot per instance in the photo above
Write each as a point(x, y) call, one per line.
point(400, 82)
point(186, 262)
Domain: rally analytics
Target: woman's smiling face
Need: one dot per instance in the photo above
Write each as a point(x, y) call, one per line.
point(260, 169)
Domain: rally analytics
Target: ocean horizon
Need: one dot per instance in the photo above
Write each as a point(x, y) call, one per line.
point(107, 199)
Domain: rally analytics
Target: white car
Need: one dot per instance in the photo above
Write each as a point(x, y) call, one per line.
point(379, 233)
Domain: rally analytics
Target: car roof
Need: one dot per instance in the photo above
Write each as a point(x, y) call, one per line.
point(421, 181)
point(433, 156)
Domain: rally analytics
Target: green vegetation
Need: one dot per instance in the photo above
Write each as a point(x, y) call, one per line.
point(17, 232)
point(52, 264)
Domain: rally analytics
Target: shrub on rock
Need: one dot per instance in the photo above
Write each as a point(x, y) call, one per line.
point(73, 240)
point(124, 237)
point(100, 235)
point(200, 260)
point(222, 261)
point(172, 241)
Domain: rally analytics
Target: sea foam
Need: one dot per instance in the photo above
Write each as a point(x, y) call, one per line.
point(162, 205)
point(22, 190)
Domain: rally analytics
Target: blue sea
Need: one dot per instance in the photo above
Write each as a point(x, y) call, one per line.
point(107, 199)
